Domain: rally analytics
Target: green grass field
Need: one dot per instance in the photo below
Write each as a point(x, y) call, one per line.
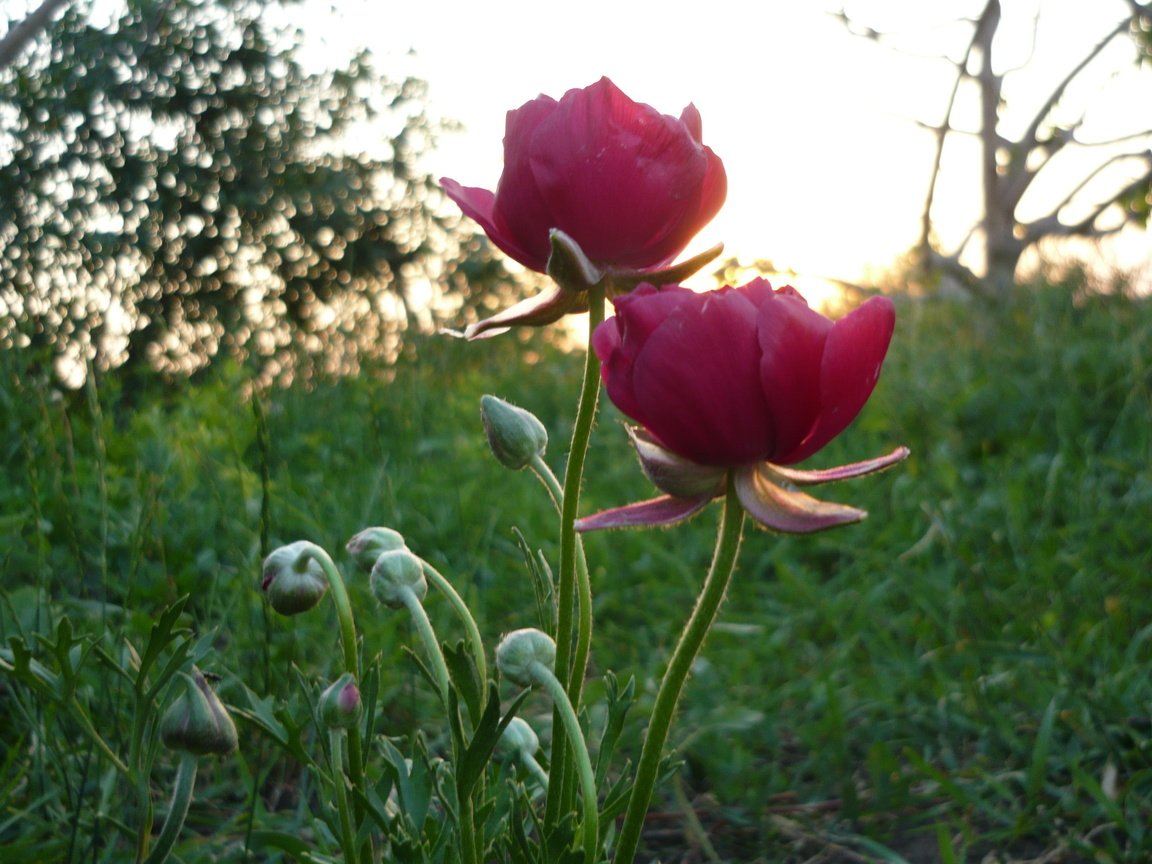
point(964, 677)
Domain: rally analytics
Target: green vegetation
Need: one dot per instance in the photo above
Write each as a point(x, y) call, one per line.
point(964, 673)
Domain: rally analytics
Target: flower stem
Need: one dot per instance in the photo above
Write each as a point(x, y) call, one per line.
point(177, 811)
point(547, 679)
point(691, 639)
point(475, 642)
point(351, 664)
point(572, 659)
point(347, 835)
point(431, 643)
point(583, 582)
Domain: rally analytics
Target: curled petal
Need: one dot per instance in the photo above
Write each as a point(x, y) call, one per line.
point(799, 477)
point(547, 306)
point(780, 508)
point(655, 512)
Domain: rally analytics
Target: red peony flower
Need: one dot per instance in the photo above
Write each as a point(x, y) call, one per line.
point(630, 185)
point(748, 379)
point(594, 184)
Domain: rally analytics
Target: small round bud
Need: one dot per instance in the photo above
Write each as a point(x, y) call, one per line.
point(340, 704)
point(515, 436)
point(393, 574)
point(197, 721)
point(367, 546)
point(292, 580)
point(518, 738)
point(519, 650)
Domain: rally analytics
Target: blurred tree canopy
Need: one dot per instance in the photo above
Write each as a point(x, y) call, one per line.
point(175, 185)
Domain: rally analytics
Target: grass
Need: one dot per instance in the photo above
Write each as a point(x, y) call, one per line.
point(964, 674)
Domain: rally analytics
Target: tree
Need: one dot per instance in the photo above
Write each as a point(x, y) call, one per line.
point(1011, 166)
point(174, 184)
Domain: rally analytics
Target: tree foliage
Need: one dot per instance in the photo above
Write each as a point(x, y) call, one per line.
point(174, 184)
point(1113, 192)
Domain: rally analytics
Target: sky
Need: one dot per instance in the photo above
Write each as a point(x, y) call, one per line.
point(827, 165)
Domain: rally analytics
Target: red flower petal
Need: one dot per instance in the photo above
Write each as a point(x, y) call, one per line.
point(696, 382)
point(841, 472)
point(792, 339)
point(655, 512)
point(853, 355)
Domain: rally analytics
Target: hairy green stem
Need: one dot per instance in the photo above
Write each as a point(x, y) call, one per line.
point(177, 811)
point(572, 658)
point(680, 664)
point(347, 834)
point(472, 632)
point(348, 642)
point(547, 679)
point(583, 581)
point(428, 636)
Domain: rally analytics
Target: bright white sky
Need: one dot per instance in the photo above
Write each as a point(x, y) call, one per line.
point(827, 169)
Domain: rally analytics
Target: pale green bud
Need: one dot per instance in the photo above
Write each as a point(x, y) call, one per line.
point(292, 580)
point(197, 721)
point(367, 546)
point(518, 738)
point(519, 650)
point(395, 573)
point(515, 436)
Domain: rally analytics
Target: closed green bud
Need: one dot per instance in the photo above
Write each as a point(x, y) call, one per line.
point(396, 573)
point(519, 650)
point(518, 738)
point(292, 579)
point(368, 545)
point(340, 705)
point(515, 436)
point(197, 721)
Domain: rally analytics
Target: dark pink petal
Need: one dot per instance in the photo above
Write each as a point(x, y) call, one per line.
point(477, 204)
point(849, 370)
point(800, 477)
point(696, 382)
point(618, 340)
point(521, 214)
point(690, 117)
point(653, 513)
point(787, 510)
point(639, 176)
point(792, 338)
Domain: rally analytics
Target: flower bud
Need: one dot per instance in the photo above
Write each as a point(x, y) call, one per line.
point(518, 738)
point(340, 705)
point(366, 546)
point(519, 650)
point(394, 573)
point(292, 580)
point(514, 435)
point(197, 721)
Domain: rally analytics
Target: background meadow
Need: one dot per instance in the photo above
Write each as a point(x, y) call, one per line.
point(964, 673)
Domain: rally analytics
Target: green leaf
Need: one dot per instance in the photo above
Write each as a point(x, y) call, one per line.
point(465, 676)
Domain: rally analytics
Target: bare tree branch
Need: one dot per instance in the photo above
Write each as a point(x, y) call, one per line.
point(941, 137)
point(1051, 226)
point(1029, 137)
point(21, 34)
